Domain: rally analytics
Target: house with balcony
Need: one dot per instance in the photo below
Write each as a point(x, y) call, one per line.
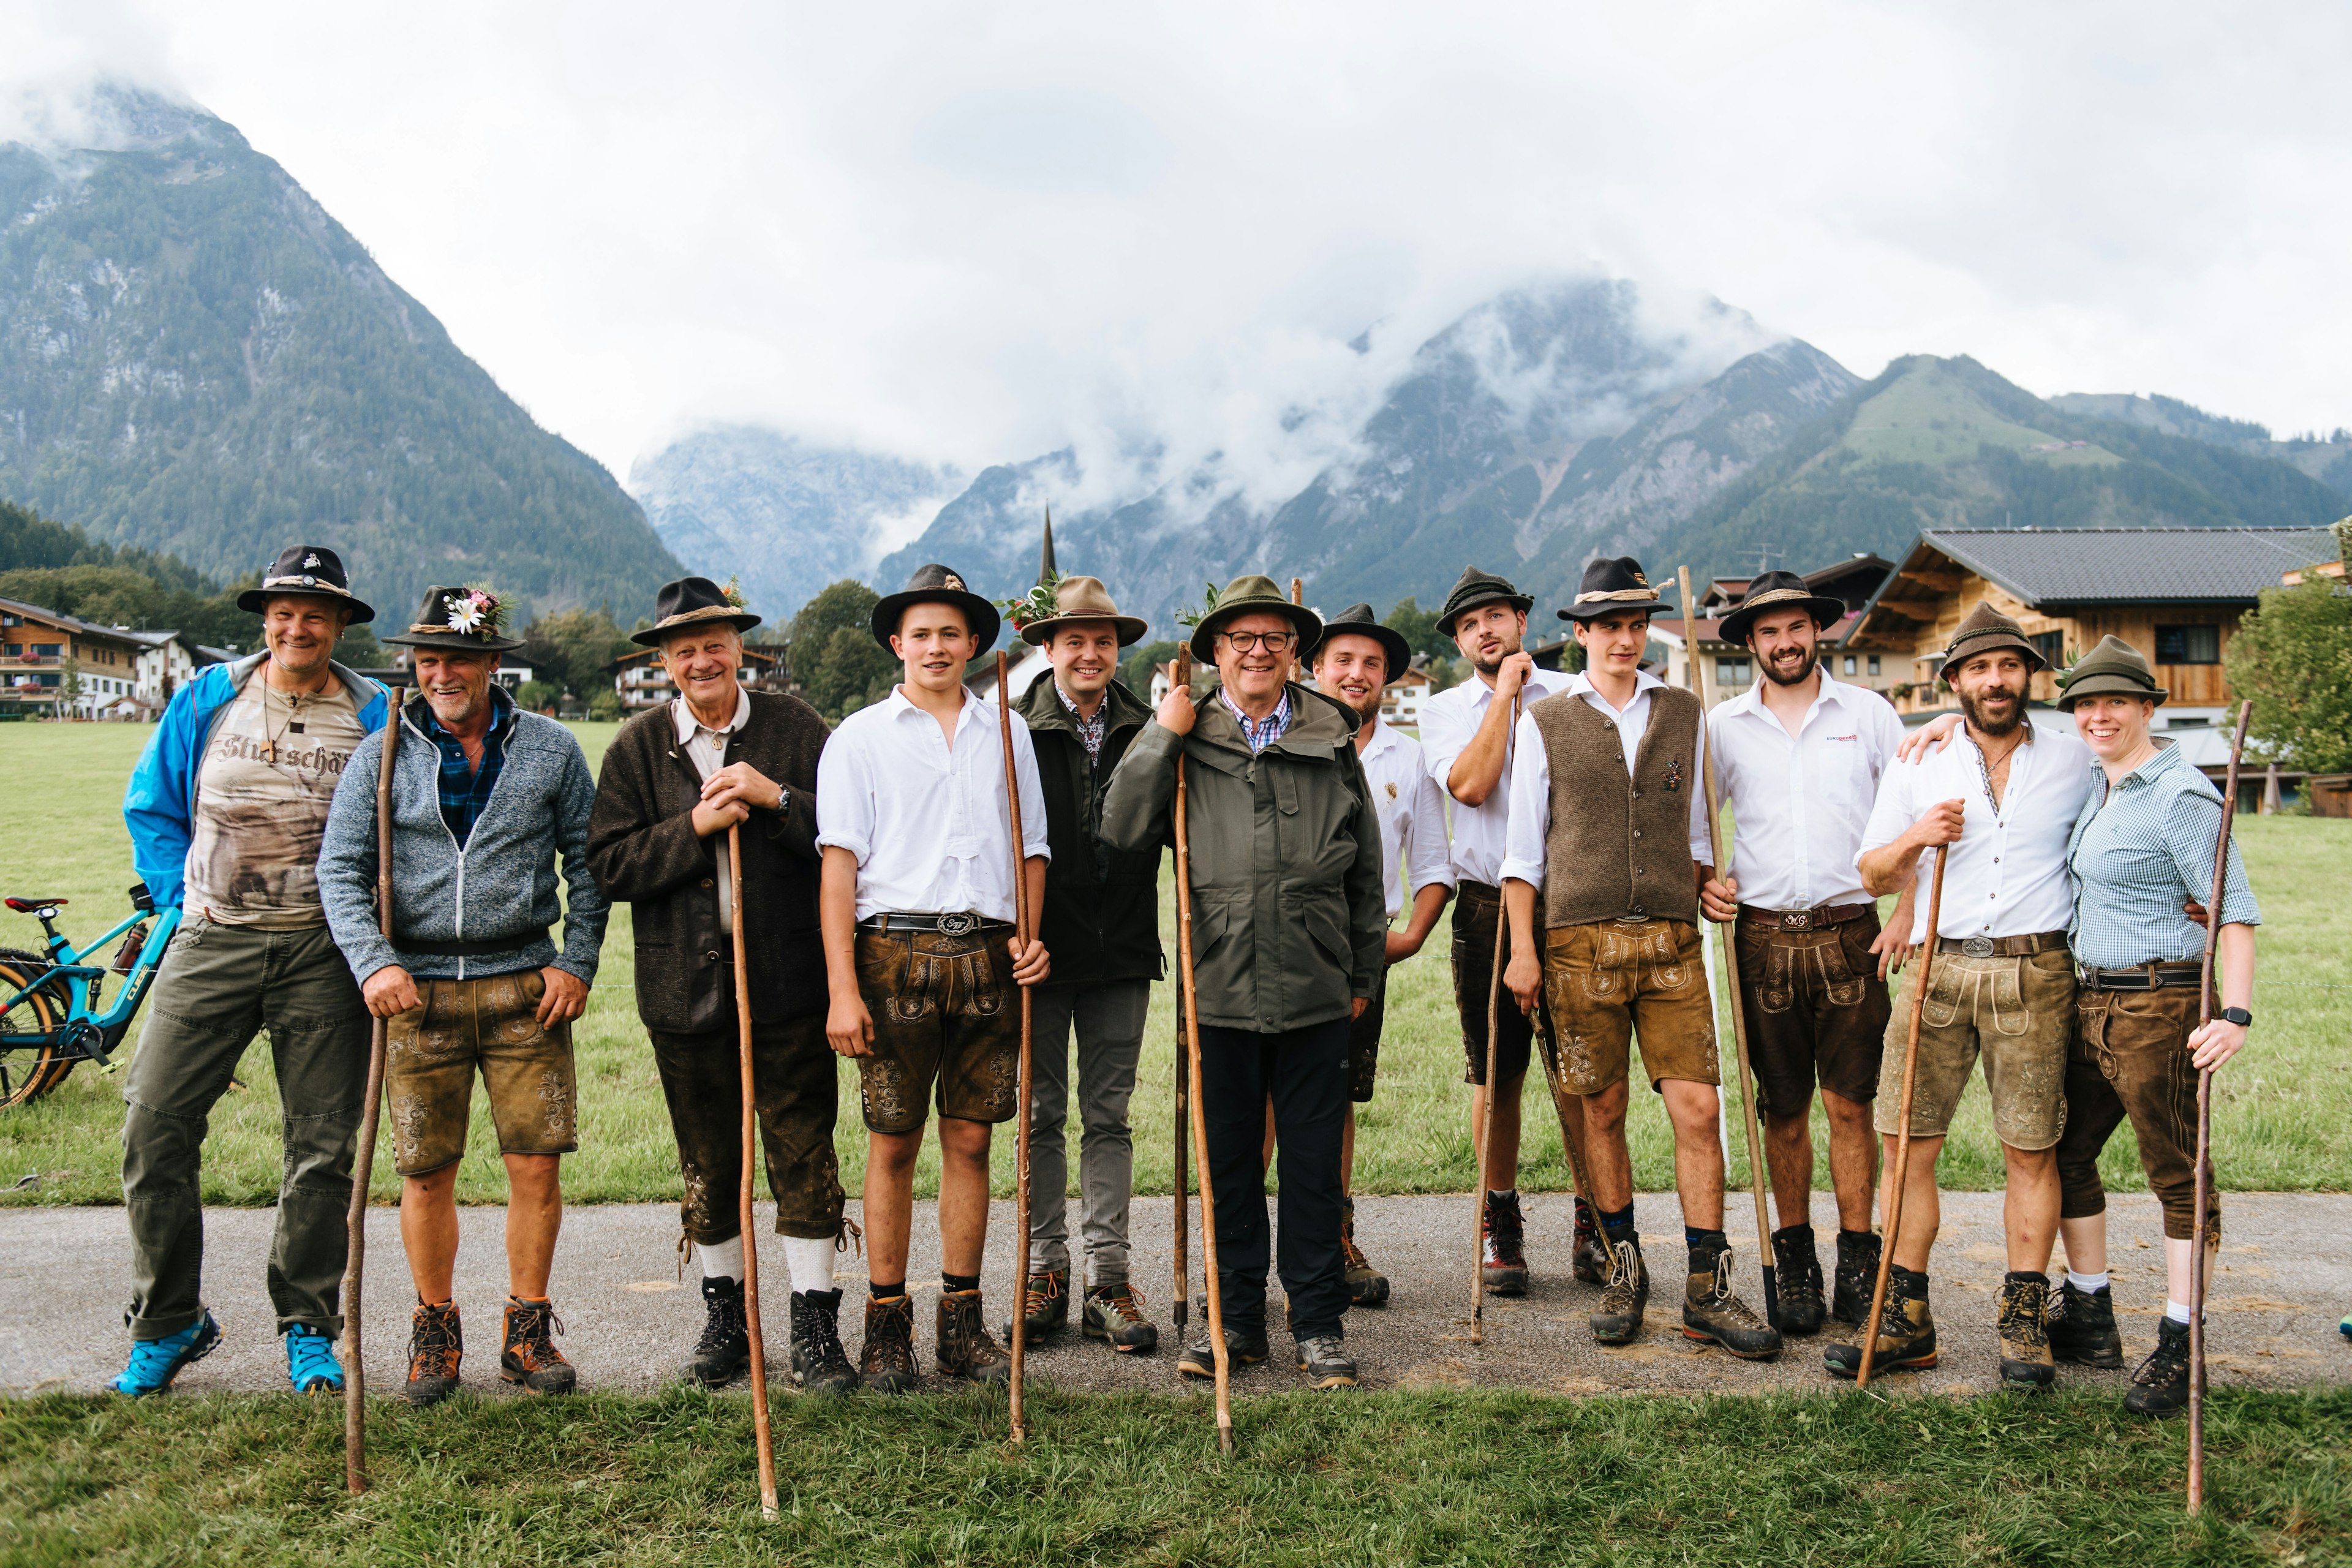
point(54, 665)
point(642, 680)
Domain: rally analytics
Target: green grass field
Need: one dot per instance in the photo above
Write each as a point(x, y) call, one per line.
point(2281, 1109)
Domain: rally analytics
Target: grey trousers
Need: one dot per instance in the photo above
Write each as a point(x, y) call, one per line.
point(217, 987)
point(1108, 1017)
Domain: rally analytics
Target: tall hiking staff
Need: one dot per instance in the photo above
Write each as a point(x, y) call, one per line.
point(2205, 1133)
point(363, 1161)
point(1486, 1117)
point(1020, 1335)
point(1727, 942)
point(1890, 1197)
point(760, 1430)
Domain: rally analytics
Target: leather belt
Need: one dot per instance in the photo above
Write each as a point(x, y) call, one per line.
point(1483, 892)
point(2002, 946)
point(2143, 977)
point(961, 923)
point(486, 947)
point(1818, 917)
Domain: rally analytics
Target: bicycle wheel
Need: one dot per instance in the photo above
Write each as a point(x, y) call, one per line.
point(28, 1072)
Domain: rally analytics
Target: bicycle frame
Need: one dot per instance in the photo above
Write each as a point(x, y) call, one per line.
point(87, 1032)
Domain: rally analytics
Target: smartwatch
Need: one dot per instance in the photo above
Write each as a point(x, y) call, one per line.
point(2237, 1016)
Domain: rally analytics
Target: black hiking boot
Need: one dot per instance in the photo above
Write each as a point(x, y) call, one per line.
point(2025, 1359)
point(1115, 1312)
point(962, 1348)
point(1244, 1342)
point(1589, 1258)
point(1799, 1281)
point(1504, 1256)
point(1710, 1311)
point(1047, 1306)
point(1617, 1321)
point(528, 1355)
point(1857, 1276)
point(1366, 1285)
point(1325, 1360)
point(819, 1363)
point(1906, 1332)
point(2160, 1386)
point(2082, 1326)
point(436, 1349)
point(887, 1361)
point(723, 1353)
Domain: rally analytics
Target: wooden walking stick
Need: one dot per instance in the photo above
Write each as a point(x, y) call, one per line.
point(1187, 1001)
point(371, 1104)
point(1890, 1198)
point(759, 1428)
point(2205, 1133)
point(1485, 1172)
point(1728, 944)
point(1021, 1136)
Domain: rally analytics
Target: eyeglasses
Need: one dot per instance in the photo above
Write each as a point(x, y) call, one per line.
point(1243, 642)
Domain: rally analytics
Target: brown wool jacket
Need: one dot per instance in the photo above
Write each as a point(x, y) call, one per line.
point(642, 848)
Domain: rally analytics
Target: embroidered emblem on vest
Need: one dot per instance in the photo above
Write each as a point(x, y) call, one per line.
point(1675, 775)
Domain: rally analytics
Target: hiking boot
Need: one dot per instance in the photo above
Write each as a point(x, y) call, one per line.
point(1799, 1279)
point(2082, 1326)
point(1857, 1276)
point(886, 1363)
point(2160, 1386)
point(1503, 1252)
point(1045, 1308)
point(1115, 1312)
point(723, 1353)
point(1366, 1285)
point(310, 1363)
point(819, 1363)
point(2025, 1358)
point(962, 1348)
point(1589, 1258)
point(155, 1363)
point(1617, 1321)
point(1905, 1340)
point(1710, 1311)
point(1325, 1360)
point(436, 1349)
point(528, 1356)
point(1244, 1342)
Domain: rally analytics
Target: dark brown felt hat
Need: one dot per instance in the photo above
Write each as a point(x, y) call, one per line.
point(1780, 590)
point(1475, 588)
point(1611, 583)
point(938, 585)
point(463, 620)
point(2114, 668)
point(1984, 630)
point(1358, 620)
point(691, 602)
point(306, 569)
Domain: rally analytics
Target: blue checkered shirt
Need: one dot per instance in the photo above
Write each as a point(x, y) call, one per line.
point(1260, 732)
point(2139, 851)
point(465, 791)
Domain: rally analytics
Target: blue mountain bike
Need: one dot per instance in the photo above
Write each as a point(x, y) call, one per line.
point(51, 1017)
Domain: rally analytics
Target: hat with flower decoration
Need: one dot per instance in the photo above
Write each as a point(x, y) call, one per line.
point(471, 619)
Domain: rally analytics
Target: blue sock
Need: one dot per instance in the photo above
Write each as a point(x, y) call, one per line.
point(1618, 1225)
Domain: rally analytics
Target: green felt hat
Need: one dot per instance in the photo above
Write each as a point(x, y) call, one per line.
point(2114, 668)
point(1246, 594)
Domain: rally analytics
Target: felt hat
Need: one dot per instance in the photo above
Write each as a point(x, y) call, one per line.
point(1780, 590)
point(1076, 600)
point(690, 602)
point(938, 585)
point(2114, 668)
point(1251, 592)
point(463, 620)
point(1984, 630)
point(306, 569)
point(1610, 585)
point(1357, 620)
point(1475, 588)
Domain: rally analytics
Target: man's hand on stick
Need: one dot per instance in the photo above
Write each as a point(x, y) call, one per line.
point(1175, 712)
point(1719, 896)
point(1031, 964)
point(389, 992)
point(740, 784)
point(1941, 824)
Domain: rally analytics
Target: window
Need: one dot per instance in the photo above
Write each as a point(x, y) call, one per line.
point(2051, 646)
point(47, 650)
point(16, 650)
point(1848, 666)
point(1731, 671)
point(1873, 664)
point(2188, 645)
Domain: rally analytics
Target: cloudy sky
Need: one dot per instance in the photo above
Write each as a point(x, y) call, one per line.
point(969, 233)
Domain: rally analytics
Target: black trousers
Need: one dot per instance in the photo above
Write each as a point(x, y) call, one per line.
point(1305, 1071)
point(792, 1089)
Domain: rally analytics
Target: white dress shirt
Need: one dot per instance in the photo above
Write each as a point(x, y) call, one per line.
point(928, 822)
point(705, 748)
point(2008, 872)
point(1530, 802)
point(1800, 803)
point(1449, 722)
point(1412, 815)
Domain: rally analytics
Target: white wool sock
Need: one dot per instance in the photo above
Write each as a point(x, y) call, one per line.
point(2177, 1311)
point(2088, 1284)
point(810, 1259)
point(723, 1261)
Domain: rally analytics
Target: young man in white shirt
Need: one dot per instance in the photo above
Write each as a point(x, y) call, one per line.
point(917, 907)
point(2002, 805)
point(1353, 664)
point(1799, 757)
point(1465, 740)
point(1608, 821)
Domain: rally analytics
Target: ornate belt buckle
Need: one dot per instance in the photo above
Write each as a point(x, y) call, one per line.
point(957, 925)
point(1978, 947)
point(1796, 919)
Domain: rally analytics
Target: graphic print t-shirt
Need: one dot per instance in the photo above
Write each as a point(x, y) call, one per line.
point(261, 806)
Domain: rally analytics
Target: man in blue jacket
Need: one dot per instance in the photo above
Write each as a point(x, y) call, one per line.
point(226, 811)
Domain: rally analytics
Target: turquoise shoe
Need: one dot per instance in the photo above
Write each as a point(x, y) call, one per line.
point(310, 1362)
point(155, 1363)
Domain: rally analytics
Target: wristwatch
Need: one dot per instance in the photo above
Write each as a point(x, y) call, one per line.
point(784, 798)
point(2237, 1016)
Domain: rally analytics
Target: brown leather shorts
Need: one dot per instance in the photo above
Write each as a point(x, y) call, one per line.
point(2130, 1057)
point(428, 1075)
point(1813, 1004)
point(947, 1019)
point(1478, 909)
point(2018, 1012)
point(1608, 980)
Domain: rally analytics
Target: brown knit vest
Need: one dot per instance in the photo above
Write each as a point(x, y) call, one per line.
point(1619, 848)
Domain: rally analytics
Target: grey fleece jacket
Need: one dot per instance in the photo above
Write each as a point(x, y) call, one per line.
point(502, 883)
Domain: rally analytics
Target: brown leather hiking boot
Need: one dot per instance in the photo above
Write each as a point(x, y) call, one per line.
point(1115, 1312)
point(1589, 1255)
point(1712, 1311)
point(1617, 1321)
point(886, 1364)
point(1366, 1285)
point(1906, 1332)
point(2025, 1358)
point(529, 1355)
point(1799, 1279)
point(1503, 1250)
point(1045, 1309)
point(963, 1348)
point(436, 1349)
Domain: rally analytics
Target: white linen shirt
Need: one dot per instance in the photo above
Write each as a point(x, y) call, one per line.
point(705, 748)
point(928, 822)
point(1800, 804)
point(2008, 872)
point(1411, 807)
point(1530, 802)
point(1449, 722)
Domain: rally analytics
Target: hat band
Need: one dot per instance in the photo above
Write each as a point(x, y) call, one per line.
point(318, 582)
point(1621, 596)
point(1777, 596)
point(442, 629)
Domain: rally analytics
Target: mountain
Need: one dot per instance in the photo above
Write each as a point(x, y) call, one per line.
point(2329, 461)
point(195, 357)
point(785, 517)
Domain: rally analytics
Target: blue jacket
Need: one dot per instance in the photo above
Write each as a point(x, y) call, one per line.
point(160, 806)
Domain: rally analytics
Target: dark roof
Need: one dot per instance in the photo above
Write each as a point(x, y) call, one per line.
point(2133, 565)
